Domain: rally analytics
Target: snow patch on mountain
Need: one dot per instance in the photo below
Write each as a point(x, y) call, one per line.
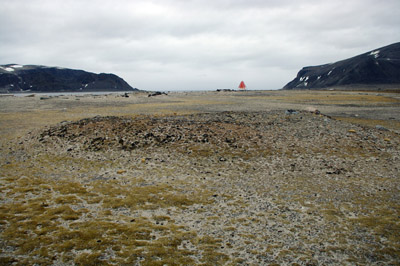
point(375, 53)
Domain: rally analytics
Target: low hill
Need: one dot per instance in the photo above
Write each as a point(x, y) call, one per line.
point(379, 67)
point(34, 78)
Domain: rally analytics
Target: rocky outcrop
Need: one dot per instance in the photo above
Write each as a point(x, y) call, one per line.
point(378, 67)
point(33, 78)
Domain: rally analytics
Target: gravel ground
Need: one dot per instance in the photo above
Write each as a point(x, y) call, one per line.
point(167, 181)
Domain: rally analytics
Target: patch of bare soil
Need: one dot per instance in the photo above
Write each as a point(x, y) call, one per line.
point(224, 188)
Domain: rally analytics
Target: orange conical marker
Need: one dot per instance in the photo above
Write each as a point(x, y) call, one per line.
point(242, 85)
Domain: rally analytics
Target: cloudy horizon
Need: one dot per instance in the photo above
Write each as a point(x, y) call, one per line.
point(194, 45)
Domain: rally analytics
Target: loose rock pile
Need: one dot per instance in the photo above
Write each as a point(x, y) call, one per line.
point(272, 133)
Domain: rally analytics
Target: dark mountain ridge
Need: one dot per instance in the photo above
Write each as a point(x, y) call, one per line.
point(377, 67)
point(34, 78)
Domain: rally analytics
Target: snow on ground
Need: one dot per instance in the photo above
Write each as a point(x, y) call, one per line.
point(375, 53)
point(11, 68)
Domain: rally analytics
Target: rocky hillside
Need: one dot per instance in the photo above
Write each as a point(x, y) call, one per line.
point(33, 78)
point(378, 67)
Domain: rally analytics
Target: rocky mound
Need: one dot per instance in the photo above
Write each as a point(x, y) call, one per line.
point(33, 78)
point(104, 133)
point(244, 133)
point(378, 67)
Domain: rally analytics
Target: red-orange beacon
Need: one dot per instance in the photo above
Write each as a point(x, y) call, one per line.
point(242, 86)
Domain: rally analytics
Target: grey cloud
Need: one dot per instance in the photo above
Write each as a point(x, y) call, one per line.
point(193, 44)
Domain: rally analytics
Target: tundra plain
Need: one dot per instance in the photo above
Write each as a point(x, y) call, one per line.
point(201, 178)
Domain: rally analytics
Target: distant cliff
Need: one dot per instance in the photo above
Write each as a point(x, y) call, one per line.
point(378, 67)
point(33, 78)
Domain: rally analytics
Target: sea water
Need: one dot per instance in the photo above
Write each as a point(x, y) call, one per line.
point(54, 94)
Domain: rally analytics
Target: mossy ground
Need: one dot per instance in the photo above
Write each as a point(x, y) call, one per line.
point(46, 220)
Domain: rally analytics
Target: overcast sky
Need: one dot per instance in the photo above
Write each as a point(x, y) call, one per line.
point(194, 44)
